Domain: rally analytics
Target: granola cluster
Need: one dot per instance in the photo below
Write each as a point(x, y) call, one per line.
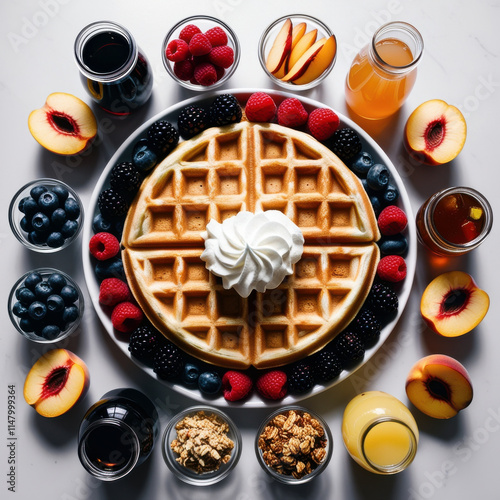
point(202, 442)
point(293, 443)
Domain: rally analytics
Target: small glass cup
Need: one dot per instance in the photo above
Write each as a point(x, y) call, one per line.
point(204, 23)
point(113, 69)
point(473, 216)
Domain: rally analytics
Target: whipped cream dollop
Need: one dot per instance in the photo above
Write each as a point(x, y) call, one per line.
point(252, 251)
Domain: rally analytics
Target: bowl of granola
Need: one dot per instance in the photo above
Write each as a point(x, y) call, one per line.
point(201, 445)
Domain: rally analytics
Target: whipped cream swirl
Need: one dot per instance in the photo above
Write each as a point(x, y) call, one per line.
point(252, 251)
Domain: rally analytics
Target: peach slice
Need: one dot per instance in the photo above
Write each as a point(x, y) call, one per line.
point(297, 33)
point(281, 47)
point(435, 132)
point(452, 304)
point(303, 44)
point(439, 386)
point(64, 125)
point(56, 382)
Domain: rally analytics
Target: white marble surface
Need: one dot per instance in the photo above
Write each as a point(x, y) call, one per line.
point(457, 459)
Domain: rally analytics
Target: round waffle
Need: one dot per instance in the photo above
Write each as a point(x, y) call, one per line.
point(254, 167)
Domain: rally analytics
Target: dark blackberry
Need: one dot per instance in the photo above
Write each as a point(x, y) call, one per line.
point(168, 361)
point(349, 347)
point(143, 343)
point(112, 204)
point(125, 179)
point(367, 326)
point(326, 366)
point(224, 110)
point(191, 121)
point(382, 300)
point(162, 137)
point(346, 144)
point(300, 378)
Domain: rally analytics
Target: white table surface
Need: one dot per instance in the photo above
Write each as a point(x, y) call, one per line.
point(458, 458)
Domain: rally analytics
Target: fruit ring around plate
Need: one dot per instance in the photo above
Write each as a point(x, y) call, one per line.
point(124, 153)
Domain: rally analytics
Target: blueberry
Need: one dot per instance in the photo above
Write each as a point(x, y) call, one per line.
point(55, 240)
point(376, 204)
point(48, 202)
point(20, 310)
point(61, 192)
point(57, 282)
point(40, 222)
point(143, 158)
point(43, 290)
point(58, 218)
point(25, 296)
point(28, 207)
point(190, 374)
point(69, 228)
point(25, 224)
point(361, 164)
point(72, 209)
point(391, 195)
point(118, 228)
point(377, 177)
point(26, 325)
point(55, 303)
point(37, 191)
point(209, 382)
point(70, 314)
point(38, 237)
point(111, 268)
point(37, 310)
point(393, 245)
point(32, 280)
point(69, 294)
point(50, 332)
point(101, 225)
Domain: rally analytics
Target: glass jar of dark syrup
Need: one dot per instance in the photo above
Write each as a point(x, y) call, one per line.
point(113, 70)
point(117, 434)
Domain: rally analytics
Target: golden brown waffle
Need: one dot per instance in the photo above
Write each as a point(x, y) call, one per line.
point(252, 167)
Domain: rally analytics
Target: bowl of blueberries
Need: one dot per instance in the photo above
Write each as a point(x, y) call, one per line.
point(45, 305)
point(46, 215)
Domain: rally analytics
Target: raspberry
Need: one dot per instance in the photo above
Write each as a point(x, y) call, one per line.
point(236, 385)
point(104, 246)
point(291, 113)
point(177, 50)
point(392, 220)
point(184, 70)
point(272, 385)
point(217, 36)
point(220, 72)
point(322, 123)
point(126, 317)
point(199, 45)
point(392, 268)
point(188, 32)
point(222, 56)
point(113, 291)
point(260, 107)
point(205, 74)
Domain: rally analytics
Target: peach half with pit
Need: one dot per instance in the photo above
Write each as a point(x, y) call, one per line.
point(64, 124)
point(56, 382)
point(439, 386)
point(452, 304)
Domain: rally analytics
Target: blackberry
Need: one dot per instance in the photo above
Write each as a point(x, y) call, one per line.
point(125, 179)
point(143, 343)
point(367, 326)
point(191, 121)
point(382, 300)
point(162, 137)
point(300, 378)
point(349, 347)
point(112, 204)
point(168, 361)
point(327, 366)
point(346, 144)
point(224, 110)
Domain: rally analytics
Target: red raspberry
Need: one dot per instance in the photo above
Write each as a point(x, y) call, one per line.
point(184, 70)
point(272, 385)
point(205, 74)
point(188, 32)
point(113, 291)
point(126, 317)
point(221, 56)
point(104, 246)
point(236, 385)
point(392, 220)
point(260, 107)
point(322, 123)
point(217, 36)
point(392, 268)
point(291, 113)
point(220, 72)
point(177, 50)
point(200, 45)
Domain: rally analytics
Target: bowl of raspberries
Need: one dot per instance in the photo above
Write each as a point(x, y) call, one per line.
point(201, 52)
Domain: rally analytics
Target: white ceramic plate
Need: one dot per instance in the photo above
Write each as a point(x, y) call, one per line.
point(124, 153)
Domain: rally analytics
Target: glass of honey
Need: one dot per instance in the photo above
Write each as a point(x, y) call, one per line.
point(383, 73)
point(454, 221)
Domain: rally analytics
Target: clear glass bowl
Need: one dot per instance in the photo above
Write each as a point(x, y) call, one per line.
point(45, 272)
point(184, 473)
point(204, 23)
point(16, 216)
point(289, 479)
point(269, 35)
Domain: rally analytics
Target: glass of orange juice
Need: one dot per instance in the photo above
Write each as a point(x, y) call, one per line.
point(384, 71)
point(380, 432)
